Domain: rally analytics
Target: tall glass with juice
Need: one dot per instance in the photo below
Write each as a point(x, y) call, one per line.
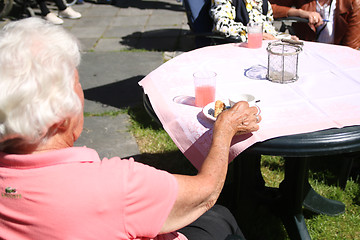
point(255, 31)
point(204, 95)
point(205, 82)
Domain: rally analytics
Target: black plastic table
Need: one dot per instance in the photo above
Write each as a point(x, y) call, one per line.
point(295, 192)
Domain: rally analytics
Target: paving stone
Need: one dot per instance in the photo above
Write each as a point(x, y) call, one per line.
point(90, 32)
point(98, 10)
point(123, 31)
point(109, 136)
point(88, 44)
point(94, 22)
point(166, 19)
point(130, 20)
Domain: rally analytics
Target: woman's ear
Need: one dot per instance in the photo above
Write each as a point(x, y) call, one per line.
point(61, 126)
point(65, 123)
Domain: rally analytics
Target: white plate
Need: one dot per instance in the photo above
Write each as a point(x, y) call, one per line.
point(209, 110)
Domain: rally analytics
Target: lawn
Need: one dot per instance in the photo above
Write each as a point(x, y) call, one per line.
point(158, 150)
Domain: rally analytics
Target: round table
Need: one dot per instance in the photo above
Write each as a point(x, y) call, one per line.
point(295, 192)
point(326, 142)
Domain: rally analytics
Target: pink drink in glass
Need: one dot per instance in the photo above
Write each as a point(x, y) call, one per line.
point(204, 95)
point(255, 31)
point(205, 85)
point(254, 40)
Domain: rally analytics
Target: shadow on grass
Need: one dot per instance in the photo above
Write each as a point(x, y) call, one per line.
point(141, 119)
point(171, 161)
point(333, 170)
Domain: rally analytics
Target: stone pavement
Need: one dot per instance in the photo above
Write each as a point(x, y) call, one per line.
point(122, 43)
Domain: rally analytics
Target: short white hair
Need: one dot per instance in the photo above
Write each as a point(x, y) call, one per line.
point(37, 69)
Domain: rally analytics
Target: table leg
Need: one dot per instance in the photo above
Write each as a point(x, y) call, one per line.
point(286, 201)
point(318, 204)
point(297, 192)
point(296, 180)
point(347, 161)
point(293, 192)
point(296, 227)
point(248, 180)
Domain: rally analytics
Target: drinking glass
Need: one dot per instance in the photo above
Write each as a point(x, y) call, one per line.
point(205, 82)
point(255, 32)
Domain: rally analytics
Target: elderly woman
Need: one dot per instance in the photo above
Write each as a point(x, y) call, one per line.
point(52, 190)
point(330, 21)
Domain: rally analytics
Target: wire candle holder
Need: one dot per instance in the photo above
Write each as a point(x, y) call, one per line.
point(283, 60)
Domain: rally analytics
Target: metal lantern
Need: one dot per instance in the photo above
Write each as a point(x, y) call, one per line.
point(283, 61)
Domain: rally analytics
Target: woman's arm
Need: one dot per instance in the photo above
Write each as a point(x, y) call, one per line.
point(352, 35)
point(280, 8)
point(197, 194)
point(285, 8)
point(314, 18)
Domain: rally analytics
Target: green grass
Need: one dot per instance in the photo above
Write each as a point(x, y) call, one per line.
point(150, 136)
point(135, 50)
point(108, 113)
point(158, 150)
point(156, 146)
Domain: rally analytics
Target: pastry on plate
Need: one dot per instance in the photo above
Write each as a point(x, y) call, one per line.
point(219, 107)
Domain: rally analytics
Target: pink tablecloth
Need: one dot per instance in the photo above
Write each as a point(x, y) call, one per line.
point(326, 95)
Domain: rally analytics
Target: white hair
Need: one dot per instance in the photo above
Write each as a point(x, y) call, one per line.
point(37, 67)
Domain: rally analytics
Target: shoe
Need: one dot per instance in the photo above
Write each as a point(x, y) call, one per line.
point(51, 17)
point(69, 13)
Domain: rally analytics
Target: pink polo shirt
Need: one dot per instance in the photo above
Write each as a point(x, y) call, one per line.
point(72, 194)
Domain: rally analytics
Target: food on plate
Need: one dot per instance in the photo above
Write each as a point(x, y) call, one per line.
point(219, 107)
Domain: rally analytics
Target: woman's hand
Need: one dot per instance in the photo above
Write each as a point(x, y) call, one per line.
point(267, 36)
point(315, 19)
point(240, 119)
point(293, 37)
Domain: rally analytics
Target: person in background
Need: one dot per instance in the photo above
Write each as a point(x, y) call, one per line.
point(64, 12)
point(53, 190)
point(231, 17)
point(330, 21)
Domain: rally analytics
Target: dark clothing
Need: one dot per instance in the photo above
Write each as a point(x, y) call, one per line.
point(216, 224)
point(242, 14)
point(44, 9)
